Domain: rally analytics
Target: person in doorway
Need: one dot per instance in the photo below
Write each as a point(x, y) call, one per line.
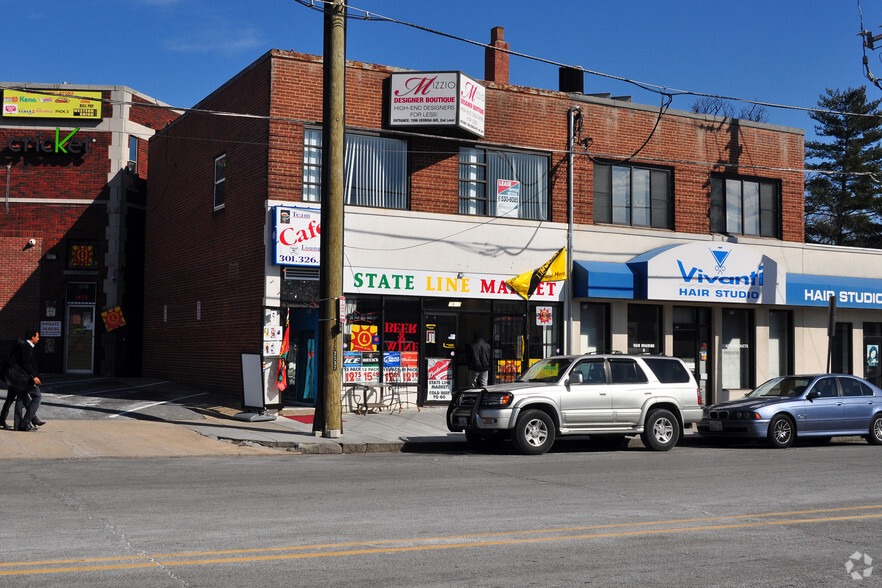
point(29, 395)
point(479, 361)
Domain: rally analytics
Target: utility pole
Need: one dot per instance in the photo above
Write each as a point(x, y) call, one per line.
point(330, 364)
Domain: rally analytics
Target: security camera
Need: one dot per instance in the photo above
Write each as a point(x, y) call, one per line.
point(32, 242)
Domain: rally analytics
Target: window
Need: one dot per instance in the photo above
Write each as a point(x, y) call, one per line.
point(635, 196)
point(497, 183)
point(744, 207)
point(220, 180)
point(737, 362)
point(133, 154)
point(375, 170)
point(780, 343)
point(626, 371)
point(592, 371)
point(644, 328)
point(593, 333)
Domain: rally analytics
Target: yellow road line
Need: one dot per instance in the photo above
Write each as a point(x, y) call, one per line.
point(163, 559)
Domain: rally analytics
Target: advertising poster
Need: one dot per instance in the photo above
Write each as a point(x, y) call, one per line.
point(298, 236)
point(351, 366)
point(440, 388)
point(508, 198)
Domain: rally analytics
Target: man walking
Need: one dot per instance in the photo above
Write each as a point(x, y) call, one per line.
point(22, 355)
point(479, 361)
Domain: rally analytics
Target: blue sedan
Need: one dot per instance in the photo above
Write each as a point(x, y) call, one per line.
point(782, 409)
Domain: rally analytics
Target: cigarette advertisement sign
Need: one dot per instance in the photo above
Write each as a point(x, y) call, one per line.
point(437, 99)
point(440, 380)
point(78, 104)
point(298, 236)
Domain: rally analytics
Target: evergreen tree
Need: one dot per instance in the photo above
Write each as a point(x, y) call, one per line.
point(845, 208)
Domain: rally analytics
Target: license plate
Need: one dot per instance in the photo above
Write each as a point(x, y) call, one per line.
point(716, 426)
point(462, 421)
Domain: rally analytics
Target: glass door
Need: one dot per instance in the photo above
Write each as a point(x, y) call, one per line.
point(440, 345)
point(80, 339)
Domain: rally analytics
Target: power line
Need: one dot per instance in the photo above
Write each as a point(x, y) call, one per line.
point(649, 87)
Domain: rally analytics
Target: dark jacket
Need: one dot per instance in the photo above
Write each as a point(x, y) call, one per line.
point(22, 355)
point(479, 355)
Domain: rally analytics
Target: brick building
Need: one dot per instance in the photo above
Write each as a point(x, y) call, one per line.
point(691, 245)
point(73, 167)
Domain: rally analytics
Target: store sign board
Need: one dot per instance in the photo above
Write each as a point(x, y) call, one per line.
point(357, 280)
point(437, 99)
point(710, 272)
point(297, 236)
point(77, 104)
point(816, 290)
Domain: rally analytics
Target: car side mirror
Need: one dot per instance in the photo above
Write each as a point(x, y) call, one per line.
point(812, 395)
point(576, 378)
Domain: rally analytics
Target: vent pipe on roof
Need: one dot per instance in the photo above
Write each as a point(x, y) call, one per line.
point(571, 79)
point(496, 58)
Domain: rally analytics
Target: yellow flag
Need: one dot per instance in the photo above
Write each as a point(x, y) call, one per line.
point(553, 270)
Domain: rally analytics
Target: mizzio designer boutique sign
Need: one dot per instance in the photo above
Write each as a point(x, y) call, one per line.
point(437, 99)
point(710, 272)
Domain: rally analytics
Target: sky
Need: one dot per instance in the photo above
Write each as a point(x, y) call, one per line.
point(784, 52)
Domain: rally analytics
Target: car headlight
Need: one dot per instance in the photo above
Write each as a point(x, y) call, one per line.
point(497, 399)
point(746, 415)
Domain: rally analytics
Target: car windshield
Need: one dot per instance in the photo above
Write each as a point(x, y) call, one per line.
point(786, 387)
point(547, 370)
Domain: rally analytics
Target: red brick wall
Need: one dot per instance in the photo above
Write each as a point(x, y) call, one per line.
point(217, 258)
point(197, 255)
point(26, 282)
point(537, 119)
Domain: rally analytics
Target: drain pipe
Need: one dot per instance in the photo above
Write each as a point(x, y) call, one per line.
point(8, 171)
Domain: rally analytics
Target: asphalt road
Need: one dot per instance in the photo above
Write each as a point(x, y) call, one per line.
point(694, 516)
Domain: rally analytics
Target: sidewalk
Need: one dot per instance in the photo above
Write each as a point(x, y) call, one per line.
point(220, 433)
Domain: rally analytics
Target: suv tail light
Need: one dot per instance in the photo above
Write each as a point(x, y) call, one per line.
point(698, 392)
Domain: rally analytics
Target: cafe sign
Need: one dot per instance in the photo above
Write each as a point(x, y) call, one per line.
point(297, 236)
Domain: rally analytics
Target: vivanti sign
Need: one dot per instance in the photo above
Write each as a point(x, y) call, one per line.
point(710, 272)
point(437, 99)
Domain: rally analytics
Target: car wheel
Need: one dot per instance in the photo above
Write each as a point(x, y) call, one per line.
point(781, 432)
point(662, 430)
point(875, 436)
point(534, 432)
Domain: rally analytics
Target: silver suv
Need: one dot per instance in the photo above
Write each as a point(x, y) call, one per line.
point(605, 396)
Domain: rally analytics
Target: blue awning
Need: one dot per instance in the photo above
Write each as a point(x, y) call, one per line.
point(602, 279)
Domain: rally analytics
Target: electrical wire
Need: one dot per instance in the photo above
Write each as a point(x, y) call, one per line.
point(649, 87)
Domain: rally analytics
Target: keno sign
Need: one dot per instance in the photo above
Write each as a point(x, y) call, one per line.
point(298, 236)
point(437, 99)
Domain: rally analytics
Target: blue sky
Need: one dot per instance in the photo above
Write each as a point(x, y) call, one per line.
point(178, 51)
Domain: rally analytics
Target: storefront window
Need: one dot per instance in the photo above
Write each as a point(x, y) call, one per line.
point(593, 331)
point(644, 328)
point(842, 349)
point(780, 343)
point(401, 340)
point(736, 367)
point(361, 339)
point(872, 346)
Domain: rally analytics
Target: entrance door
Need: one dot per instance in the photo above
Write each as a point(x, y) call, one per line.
point(441, 345)
point(80, 339)
point(692, 345)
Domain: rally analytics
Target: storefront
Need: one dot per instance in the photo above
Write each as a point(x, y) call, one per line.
point(734, 313)
point(403, 325)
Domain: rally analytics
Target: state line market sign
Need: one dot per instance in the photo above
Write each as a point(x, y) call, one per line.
point(358, 280)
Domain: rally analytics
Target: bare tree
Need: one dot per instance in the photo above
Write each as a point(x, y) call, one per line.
point(717, 106)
